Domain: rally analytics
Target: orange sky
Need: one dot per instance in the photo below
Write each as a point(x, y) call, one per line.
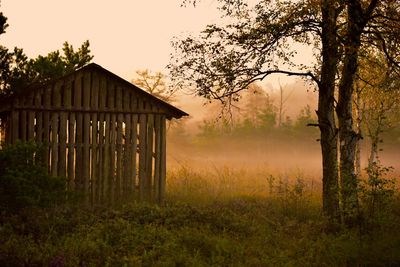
point(124, 35)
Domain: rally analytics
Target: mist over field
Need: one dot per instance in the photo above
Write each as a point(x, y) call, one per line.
point(273, 149)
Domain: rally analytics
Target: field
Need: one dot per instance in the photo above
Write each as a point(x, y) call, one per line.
point(254, 204)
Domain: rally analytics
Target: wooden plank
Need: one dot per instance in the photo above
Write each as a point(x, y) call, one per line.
point(127, 149)
point(163, 151)
point(134, 156)
point(23, 126)
point(127, 167)
point(94, 103)
point(71, 151)
point(107, 182)
point(55, 116)
point(112, 123)
point(7, 133)
point(31, 118)
point(15, 123)
point(86, 136)
point(142, 156)
point(46, 124)
point(119, 160)
point(102, 175)
point(68, 97)
point(62, 164)
point(78, 132)
point(157, 160)
point(149, 157)
point(112, 177)
point(39, 118)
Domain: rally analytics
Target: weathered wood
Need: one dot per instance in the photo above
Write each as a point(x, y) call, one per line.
point(107, 187)
point(157, 160)
point(163, 152)
point(85, 110)
point(102, 135)
point(31, 118)
point(142, 156)
point(127, 167)
point(134, 156)
point(62, 165)
point(112, 130)
point(86, 136)
point(7, 131)
point(127, 149)
point(149, 157)
point(39, 118)
point(46, 123)
point(119, 160)
point(22, 125)
point(107, 139)
point(55, 116)
point(15, 122)
point(94, 102)
point(78, 133)
point(68, 97)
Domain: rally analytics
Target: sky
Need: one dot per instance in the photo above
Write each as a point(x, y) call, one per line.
point(124, 35)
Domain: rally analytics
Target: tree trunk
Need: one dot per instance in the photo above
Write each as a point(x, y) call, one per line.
point(326, 116)
point(359, 115)
point(348, 138)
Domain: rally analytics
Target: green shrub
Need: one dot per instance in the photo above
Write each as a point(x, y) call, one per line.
point(24, 181)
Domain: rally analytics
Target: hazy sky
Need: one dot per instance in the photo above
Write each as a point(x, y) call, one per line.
point(124, 35)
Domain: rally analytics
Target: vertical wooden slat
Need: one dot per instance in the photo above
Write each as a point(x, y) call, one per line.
point(15, 122)
point(62, 165)
point(157, 160)
point(86, 135)
point(111, 98)
point(134, 156)
point(46, 123)
point(142, 156)
point(127, 167)
point(94, 103)
point(79, 133)
point(102, 175)
point(118, 178)
point(8, 134)
point(107, 186)
point(149, 156)
point(56, 97)
point(163, 151)
point(39, 117)
point(31, 117)
point(68, 97)
point(127, 149)
point(23, 125)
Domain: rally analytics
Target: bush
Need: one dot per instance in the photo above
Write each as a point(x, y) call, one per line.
point(24, 180)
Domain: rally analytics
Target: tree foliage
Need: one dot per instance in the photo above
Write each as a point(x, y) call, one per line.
point(257, 41)
point(154, 83)
point(18, 72)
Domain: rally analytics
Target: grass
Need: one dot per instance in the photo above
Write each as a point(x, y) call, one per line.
point(212, 217)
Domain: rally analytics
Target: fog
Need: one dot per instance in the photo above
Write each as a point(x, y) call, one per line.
point(271, 150)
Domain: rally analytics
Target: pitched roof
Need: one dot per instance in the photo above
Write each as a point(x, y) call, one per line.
point(172, 111)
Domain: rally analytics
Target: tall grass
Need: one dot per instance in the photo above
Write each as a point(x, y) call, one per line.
point(212, 217)
point(211, 183)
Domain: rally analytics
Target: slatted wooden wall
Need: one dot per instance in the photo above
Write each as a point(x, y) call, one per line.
point(105, 138)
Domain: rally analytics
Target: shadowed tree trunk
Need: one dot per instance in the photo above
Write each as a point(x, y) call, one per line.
point(348, 138)
point(326, 116)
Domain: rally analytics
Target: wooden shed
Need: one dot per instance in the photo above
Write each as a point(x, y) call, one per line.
point(104, 134)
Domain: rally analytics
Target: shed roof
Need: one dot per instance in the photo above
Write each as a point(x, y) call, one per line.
point(172, 111)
